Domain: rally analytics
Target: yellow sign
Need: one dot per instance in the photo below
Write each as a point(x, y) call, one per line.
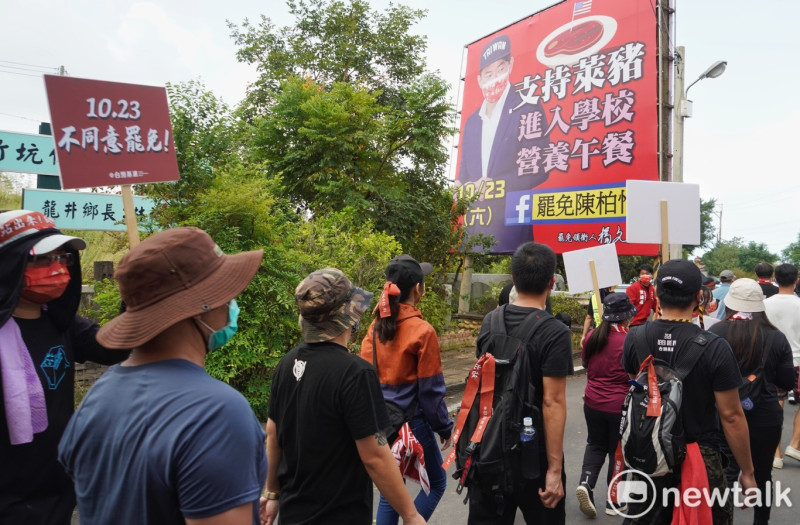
point(589, 203)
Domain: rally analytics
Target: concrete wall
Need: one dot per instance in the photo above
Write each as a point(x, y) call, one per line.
point(481, 282)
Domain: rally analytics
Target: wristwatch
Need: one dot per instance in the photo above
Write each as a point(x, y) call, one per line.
point(272, 495)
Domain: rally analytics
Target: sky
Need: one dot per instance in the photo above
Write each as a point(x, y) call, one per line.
point(738, 143)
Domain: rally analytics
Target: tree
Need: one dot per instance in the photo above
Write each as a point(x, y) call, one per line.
point(344, 115)
point(737, 256)
point(791, 254)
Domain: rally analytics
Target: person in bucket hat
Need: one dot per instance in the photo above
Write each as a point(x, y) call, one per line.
point(41, 339)
point(606, 387)
point(325, 440)
point(156, 439)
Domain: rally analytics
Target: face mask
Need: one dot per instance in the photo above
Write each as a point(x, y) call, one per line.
point(645, 279)
point(493, 89)
point(45, 283)
point(220, 338)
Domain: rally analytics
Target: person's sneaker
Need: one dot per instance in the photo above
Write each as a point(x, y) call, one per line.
point(586, 499)
point(792, 452)
point(792, 397)
point(615, 510)
point(777, 463)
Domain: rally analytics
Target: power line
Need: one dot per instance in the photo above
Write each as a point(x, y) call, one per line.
point(27, 68)
point(18, 116)
point(20, 74)
point(24, 64)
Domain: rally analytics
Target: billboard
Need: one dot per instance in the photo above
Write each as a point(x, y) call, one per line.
point(109, 133)
point(559, 110)
point(25, 153)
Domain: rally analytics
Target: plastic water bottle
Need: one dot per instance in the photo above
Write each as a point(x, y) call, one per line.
point(528, 431)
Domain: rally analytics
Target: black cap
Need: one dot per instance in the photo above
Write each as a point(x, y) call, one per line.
point(405, 271)
point(498, 48)
point(680, 276)
point(617, 307)
point(708, 280)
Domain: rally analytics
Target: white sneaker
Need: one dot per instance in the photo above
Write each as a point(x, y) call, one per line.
point(586, 499)
point(777, 463)
point(792, 452)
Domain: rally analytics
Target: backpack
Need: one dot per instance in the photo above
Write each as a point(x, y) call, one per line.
point(498, 395)
point(652, 437)
point(397, 416)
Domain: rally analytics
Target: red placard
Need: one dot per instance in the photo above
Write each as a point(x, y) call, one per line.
point(109, 133)
point(559, 110)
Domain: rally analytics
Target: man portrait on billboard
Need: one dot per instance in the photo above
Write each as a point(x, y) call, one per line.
point(494, 139)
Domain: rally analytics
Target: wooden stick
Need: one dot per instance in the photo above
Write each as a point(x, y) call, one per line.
point(593, 269)
point(130, 215)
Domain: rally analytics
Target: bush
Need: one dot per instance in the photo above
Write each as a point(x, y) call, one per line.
point(566, 303)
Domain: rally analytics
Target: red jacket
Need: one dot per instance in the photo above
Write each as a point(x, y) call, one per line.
point(644, 299)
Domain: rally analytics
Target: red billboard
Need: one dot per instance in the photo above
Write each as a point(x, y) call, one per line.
point(108, 133)
point(559, 110)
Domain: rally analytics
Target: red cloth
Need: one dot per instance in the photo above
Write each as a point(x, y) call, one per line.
point(693, 474)
point(410, 458)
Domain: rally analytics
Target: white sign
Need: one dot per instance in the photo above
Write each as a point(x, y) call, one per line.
point(579, 275)
point(644, 211)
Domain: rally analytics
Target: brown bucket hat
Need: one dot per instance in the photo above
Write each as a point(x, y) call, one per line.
point(329, 304)
point(171, 276)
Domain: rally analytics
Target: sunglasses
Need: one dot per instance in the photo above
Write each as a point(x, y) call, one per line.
point(49, 258)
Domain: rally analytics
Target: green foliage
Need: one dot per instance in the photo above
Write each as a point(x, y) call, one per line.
point(10, 195)
point(737, 256)
point(106, 302)
point(563, 302)
point(791, 254)
point(332, 41)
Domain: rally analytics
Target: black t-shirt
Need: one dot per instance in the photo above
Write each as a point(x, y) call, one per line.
point(322, 400)
point(769, 289)
point(715, 371)
point(778, 370)
point(554, 338)
point(33, 486)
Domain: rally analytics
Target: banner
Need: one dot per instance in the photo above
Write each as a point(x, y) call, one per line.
point(108, 133)
point(72, 210)
point(24, 153)
point(559, 110)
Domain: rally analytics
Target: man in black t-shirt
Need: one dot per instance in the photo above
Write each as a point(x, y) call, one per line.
point(764, 272)
point(325, 435)
point(710, 388)
point(542, 500)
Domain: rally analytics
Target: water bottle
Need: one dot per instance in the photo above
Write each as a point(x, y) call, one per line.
point(528, 432)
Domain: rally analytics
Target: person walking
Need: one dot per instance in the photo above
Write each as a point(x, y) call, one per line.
point(759, 347)
point(606, 388)
point(405, 351)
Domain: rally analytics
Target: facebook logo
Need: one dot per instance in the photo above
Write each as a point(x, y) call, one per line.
point(519, 206)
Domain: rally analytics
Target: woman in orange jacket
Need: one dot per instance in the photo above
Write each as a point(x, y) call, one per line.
point(409, 366)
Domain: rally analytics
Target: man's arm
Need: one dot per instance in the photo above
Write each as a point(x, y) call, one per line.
point(382, 468)
point(269, 507)
point(554, 412)
point(737, 434)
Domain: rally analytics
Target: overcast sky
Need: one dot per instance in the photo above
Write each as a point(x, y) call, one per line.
point(738, 144)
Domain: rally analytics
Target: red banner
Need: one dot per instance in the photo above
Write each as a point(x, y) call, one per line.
point(108, 133)
point(559, 110)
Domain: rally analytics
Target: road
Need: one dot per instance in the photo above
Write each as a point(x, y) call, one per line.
point(452, 511)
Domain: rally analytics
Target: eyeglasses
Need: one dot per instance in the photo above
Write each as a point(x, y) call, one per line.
point(49, 258)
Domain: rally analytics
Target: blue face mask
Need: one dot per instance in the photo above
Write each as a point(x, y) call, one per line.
point(219, 338)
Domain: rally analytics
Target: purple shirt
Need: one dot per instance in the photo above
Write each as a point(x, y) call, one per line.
point(607, 382)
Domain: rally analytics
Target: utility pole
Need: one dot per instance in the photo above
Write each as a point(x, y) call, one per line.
point(719, 219)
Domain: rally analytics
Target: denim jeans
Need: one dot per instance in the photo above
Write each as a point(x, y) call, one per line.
point(425, 504)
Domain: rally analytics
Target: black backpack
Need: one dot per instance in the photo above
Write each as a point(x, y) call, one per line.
point(652, 439)
point(753, 384)
point(486, 442)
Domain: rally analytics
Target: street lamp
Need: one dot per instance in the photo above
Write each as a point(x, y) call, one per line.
point(683, 110)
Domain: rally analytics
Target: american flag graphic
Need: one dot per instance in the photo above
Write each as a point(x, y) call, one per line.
point(582, 7)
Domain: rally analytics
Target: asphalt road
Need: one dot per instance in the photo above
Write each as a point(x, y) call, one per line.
point(452, 511)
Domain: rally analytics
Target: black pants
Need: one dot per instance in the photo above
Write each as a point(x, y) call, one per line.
point(487, 509)
point(601, 442)
point(763, 442)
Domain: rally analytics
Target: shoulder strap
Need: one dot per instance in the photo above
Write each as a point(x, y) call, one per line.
point(640, 344)
point(685, 362)
point(497, 320)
